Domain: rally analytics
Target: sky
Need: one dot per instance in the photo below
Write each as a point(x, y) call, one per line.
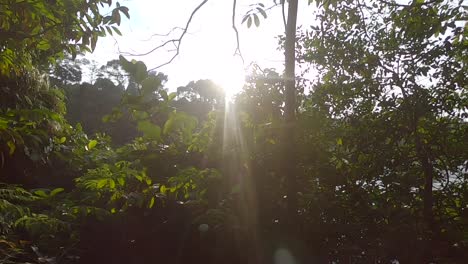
point(207, 50)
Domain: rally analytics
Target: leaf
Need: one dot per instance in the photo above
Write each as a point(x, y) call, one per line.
point(11, 146)
point(339, 141)
point(149, 129)
point(116, 30)
point(169, 125)
point(62, 140)
point(41, 193)
point(164, 95)
point(163, 189)
point(121, 181)
point(112, 184)
point(141, 72)
point(43, 45)
point(257, 21)
point(126, 65)
point(150, 85)
point(56, 191)
point(116, 17)
point(151, 203)
point(101, 183)
point(124, 10)
point(148, 181)
point(109, 30)
point(172, 96)
point(261, 11)
point(92, 144)
point(245, 19)
point(106, 118)
point(249, 22)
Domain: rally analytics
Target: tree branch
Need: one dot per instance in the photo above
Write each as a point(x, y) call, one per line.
point(237, 51)
point(283, 13)
point(177, 42)
point(163, 35)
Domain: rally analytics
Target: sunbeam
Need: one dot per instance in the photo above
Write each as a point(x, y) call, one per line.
point(231, 77)
point(236, 159)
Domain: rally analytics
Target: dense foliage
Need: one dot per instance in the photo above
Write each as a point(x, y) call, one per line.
point(121, 170)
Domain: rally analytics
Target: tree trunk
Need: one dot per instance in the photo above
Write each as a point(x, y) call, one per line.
point(427, 197)
point(289, 161)
point(429, 174)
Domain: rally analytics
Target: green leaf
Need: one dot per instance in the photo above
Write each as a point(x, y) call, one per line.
point(109, 30)
point(11, 146)
point(106, 118)
point(101, 183)
point(41, 193)
point(92, 144)
point(163, 189)
point(339, 141)
point(150, 85)
point(149, 129)
point(112, 184)
point(148, 181)
point(56, 191)
point(116, 30)
point(151, 203)
point(164, 95)
point(121, 181)
point(141, 72)
point(172, 96)
point(43, 45)
point(169, 125)
point(62, 140)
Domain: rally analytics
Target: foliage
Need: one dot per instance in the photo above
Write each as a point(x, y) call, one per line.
point(380, 147)
point(390, 86)
point(39, 31)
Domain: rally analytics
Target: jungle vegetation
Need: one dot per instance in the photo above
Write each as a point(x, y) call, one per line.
point(366, 163)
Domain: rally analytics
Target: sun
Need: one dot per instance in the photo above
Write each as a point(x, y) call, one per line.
point(231, 77)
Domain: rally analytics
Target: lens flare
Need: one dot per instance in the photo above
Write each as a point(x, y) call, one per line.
point(231, 77)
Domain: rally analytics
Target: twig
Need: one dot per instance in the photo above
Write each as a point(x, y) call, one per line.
point(176, 42)
point(237, 51)
point(163, 35)
point(283, 13)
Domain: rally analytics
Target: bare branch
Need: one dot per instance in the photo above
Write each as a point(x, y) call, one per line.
point(156, 48)
point(237, 51)
point(176, 42)
point(283, 12)
point(163, 35)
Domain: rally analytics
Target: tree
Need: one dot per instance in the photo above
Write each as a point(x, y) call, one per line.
point(399, 62)
point(289, 161)
point(37, 32)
